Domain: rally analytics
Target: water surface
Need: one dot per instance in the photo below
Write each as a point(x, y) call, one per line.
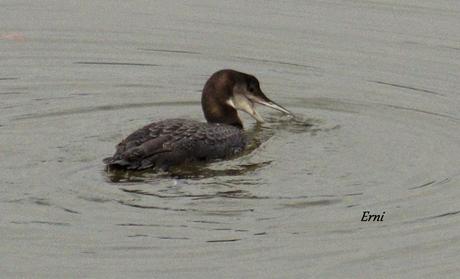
point(374, 85)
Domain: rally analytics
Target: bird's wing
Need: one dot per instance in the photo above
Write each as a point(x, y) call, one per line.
point(155, 138)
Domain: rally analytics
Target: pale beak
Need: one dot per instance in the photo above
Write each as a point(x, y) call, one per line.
point(273, 105)
point(256, 115)
point(241, 102)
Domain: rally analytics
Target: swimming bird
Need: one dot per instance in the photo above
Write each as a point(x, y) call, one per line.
point(174, 141)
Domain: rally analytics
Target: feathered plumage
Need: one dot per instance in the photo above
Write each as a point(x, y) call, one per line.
point(175, 141)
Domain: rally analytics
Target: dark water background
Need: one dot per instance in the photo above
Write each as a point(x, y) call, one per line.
point(377, 79)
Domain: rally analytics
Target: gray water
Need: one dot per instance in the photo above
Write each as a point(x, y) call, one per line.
point(378, 81)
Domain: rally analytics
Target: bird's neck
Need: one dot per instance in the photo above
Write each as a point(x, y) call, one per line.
point(216, 112)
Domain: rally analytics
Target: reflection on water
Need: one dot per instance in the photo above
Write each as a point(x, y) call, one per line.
point(196, 170)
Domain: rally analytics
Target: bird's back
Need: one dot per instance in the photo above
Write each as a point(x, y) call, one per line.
point(175, 141)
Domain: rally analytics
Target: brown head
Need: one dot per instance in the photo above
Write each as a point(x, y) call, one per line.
point(227, 91)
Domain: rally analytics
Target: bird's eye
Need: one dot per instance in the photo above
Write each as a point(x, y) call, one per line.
point(251, 88)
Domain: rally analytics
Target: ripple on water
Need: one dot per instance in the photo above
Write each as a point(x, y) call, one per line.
point(256, 176)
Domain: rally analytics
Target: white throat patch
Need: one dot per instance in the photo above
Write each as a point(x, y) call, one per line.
point(240, 102)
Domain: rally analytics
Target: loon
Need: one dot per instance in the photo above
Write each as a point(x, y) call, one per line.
point(175, 141)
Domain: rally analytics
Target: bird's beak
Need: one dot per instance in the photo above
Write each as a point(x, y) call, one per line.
point(256, 115)
point(241, 102)
point(269, 103)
